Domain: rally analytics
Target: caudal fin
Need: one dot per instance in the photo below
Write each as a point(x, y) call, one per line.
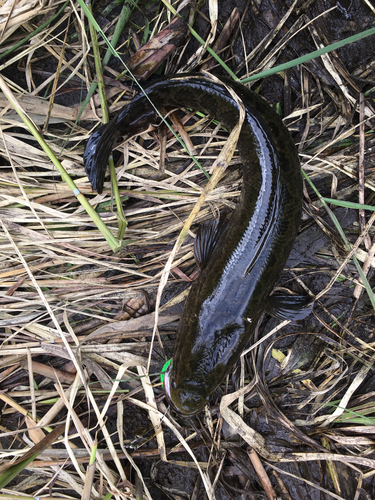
point(97, 153)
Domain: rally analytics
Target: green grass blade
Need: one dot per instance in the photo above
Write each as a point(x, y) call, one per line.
point(344, 238)
point(35, 32)
point(11, 473)
point(103, 99)
point(349, 204)
point(29, 456)
point(309, 57)
point(123, 19)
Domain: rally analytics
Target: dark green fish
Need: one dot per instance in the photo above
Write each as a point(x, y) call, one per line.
point(241, 259)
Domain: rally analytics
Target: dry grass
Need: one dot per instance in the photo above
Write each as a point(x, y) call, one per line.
point(77, 319)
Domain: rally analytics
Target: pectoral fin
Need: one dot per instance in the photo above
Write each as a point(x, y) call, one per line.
point(292, 307)
point(207, 238)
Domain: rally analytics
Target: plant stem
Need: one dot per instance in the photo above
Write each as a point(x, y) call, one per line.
point(123, 19)
point(103, 99)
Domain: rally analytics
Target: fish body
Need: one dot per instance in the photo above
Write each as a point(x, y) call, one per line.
point(227, 300)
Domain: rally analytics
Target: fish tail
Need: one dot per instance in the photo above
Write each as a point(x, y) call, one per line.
point(97, 153)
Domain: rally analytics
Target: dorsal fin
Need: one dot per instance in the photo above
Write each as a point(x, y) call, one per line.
point(208, 235)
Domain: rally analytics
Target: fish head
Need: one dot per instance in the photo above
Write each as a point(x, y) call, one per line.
point(187, 400)
point(197, 369)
